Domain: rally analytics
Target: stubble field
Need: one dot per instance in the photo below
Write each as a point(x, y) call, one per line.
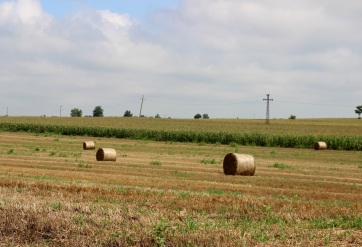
point(54, 193)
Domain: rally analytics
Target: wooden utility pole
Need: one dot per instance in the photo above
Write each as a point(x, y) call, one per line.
point(143, 97)
point(267, 108)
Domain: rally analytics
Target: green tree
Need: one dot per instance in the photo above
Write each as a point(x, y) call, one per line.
point(98, 111)
point(292, 117)
point(75, 112)
point(358, 111)
point(157, 116)
point(128, 113)
point(197, 116)
point(205, 116)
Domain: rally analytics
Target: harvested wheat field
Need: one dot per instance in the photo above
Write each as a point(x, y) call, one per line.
point(55, 193)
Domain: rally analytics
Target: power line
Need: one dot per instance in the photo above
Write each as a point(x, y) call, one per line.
point(184, 103)
point(303, 103)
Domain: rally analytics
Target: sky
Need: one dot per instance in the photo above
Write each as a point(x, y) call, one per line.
point(177, 58)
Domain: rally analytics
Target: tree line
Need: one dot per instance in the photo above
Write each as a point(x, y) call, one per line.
point(98, 112)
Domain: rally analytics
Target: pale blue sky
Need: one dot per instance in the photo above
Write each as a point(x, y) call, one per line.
point(135, 8)
point(219, 57)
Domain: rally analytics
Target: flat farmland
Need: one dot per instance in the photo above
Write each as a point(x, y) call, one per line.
point(339, 127)
point(339, 134)
point(165, 193)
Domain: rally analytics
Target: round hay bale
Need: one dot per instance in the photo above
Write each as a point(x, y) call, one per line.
point(320, 146)
point(88, 145)
point(239, 164)
point(106, 154)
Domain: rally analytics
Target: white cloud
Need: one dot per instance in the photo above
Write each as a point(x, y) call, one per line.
point(202, 54)
point(115, 19)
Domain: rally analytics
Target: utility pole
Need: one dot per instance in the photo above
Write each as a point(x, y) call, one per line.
point(143, 97)
point(267, 108)
point(60, 111)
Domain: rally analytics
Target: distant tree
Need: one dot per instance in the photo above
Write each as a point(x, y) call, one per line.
point(197, 116)
point(128, 113)
point(157, 116)
point(98, 111)
point(292, 117)
point(358, 111)
point(205, 116)
point(75, 112)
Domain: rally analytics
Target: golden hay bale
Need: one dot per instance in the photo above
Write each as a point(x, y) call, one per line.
point(106, 154)
point(320, 146)
point(88, 145)
point(239, 164)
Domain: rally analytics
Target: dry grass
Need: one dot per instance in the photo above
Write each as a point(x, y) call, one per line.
point(54, 193)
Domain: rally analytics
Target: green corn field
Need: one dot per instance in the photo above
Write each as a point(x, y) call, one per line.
point(337, 134)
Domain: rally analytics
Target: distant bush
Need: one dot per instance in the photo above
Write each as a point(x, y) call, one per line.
point(128, 113)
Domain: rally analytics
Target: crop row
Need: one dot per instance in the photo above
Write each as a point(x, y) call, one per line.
point(250, 139)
